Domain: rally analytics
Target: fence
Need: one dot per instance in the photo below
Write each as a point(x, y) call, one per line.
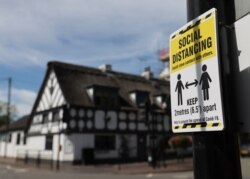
point(35, 157)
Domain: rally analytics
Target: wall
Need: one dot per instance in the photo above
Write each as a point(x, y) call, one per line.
point(11, 149)
point(73, 144)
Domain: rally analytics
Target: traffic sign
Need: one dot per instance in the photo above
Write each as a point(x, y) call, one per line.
point(196, 103)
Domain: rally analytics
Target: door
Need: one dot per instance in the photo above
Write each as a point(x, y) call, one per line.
point(142, 147)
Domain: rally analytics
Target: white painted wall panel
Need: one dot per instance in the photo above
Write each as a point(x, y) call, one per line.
point(36, 142)
point(12, 149)
point(100, 119)
point(68, 148)
point(76, 142)
point(49, 100)
point(112, 120)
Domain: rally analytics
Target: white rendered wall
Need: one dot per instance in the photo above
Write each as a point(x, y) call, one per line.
point(12, 149)
point(73, 145)
point(2, 145)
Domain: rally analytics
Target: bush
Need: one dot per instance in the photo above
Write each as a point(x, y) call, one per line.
point(180, 141)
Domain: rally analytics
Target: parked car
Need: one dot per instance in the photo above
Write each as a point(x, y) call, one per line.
point(245, 150)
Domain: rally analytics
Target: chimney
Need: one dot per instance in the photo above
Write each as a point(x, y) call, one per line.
point(147, 73)
point(105, 67)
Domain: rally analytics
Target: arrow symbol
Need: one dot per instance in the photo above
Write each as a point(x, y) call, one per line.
point(193, 83)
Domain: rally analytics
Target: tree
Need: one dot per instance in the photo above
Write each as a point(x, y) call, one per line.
point(4, 115)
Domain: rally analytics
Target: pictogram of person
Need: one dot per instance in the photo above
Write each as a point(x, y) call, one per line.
point(204, 82)
point(179, 87)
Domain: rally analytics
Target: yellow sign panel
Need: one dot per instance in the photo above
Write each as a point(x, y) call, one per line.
point(194, 44)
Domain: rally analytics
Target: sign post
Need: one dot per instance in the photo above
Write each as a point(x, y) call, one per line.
point(216, 153)
point(195, 78)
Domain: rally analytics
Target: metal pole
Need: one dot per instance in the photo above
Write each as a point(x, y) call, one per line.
point(8, 115)
point(9, 100)
point(216, 154)
point(154, 140)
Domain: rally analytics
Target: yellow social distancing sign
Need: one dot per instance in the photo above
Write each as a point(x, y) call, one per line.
point(196, 103)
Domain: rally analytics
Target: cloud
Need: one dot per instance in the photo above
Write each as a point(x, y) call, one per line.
point(23, 99)
point(23, 95)
point(101, 30)
point(124, 33)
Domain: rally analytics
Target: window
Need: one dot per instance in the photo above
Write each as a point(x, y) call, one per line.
point(142, 98)
point(18, 139)
point(56, 115)
point(49, 142)
point(106, 97)
point(24, 140)
point(105, 142)
point(10, 136)
point(45, 117)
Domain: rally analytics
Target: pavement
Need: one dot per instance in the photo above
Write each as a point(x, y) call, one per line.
point(169, 166)
point(131, 168)
point(8, 172)
point(9, 169)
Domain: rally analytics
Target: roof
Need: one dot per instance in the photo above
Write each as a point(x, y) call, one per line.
point(75, 79)
point(19, 124)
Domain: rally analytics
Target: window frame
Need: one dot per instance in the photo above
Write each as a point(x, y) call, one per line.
point(106, 97)
point(45, 118)
point(18, 138)
point(105, 142)
point(49, 142)
point(57, 114)
point(9, 138)
point(24, 139)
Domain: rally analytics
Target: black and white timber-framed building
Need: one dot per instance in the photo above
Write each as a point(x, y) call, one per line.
point(93, 115)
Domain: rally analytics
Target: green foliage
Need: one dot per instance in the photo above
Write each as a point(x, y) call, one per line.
point(3, 113)
point(3, 120)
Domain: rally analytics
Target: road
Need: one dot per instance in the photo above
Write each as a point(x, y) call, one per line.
point(8, 172)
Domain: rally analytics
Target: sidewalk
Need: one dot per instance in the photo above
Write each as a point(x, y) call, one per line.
point(171, 166)
point(132, 168)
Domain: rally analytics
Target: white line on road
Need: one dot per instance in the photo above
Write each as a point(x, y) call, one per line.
point(150, 175)
point(17, 170)
point(181, 176)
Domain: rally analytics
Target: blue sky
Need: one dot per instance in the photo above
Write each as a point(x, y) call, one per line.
point(124, 33)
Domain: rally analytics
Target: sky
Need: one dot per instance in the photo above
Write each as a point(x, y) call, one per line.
point(124, 33)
